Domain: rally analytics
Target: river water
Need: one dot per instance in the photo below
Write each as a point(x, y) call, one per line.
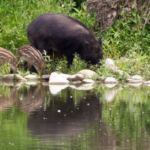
point(100, 117)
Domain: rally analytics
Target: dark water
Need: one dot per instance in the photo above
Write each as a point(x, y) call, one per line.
point(33, 117)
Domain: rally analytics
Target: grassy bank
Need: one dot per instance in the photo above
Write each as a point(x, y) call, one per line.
point(125, 38)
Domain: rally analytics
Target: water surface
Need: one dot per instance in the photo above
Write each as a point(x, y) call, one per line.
point(33, 117)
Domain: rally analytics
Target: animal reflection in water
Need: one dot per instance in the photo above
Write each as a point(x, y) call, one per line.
point(63, 118)
point(32, 98)
point(7, 97)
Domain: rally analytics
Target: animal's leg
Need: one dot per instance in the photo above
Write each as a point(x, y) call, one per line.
point(29, 65)
point(41, 46)
point(70, 59)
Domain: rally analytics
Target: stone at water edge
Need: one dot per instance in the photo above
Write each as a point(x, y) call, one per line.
point(111, 80)
point(146, 82)
point(55, 89)
point(134, 81)
point(19, 77)
point(45, 83)
point(32, 77)
point(101, 78)
point(45, 77)
point(87, 72)
point(111, 85)
point(75, 82)
point(83, 87)
point(109, 95)
point(136, 77)
point(109, 63)
point(55, 78)
point(8, 77)
point(88, 81)
point(64, 75)
point(8, 82)
point(19, 83)
point(135, 84)
point(76, 77)
point(31, 83)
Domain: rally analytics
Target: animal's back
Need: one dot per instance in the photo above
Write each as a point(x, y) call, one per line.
point(7, 55)
point(32, 56)
point(56, 24)
point(27, 53)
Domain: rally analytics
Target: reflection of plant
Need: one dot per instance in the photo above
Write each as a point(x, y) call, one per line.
point(23, 86)
point(5, 91)
point(4, 69)
point(23, 73)
point(128, 112)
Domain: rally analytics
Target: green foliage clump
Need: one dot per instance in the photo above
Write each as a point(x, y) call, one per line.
point(4, 69)
point(136, 64)
point(61, 64)
point(127, 38)
point(127, 34)
point(79, 2)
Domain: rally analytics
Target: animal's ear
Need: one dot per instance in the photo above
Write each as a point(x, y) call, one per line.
point(100, 40)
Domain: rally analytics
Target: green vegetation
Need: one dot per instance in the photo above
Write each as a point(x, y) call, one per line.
point(127, 112)
point(4, 69)
point(128, 36)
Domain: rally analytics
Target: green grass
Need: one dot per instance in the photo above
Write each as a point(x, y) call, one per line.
point(125, 38)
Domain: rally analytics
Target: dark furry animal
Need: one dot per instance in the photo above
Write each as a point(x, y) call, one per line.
point(64, 35)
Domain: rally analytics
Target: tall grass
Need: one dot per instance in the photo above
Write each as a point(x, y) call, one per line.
point(15, 17)
point(17, 14)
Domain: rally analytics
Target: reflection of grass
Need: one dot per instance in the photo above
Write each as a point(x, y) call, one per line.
point(77, 95)
point(4, 91)
point(13, 130)
point(128, 115)
point(129, 112)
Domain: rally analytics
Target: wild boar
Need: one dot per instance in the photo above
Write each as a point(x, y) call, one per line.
point(7, 56)
point(32, 57)
point(66, 35)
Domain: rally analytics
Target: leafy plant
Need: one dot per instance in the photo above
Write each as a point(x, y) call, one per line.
point(22, 72)
point(126, 34)
point(4, 69)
